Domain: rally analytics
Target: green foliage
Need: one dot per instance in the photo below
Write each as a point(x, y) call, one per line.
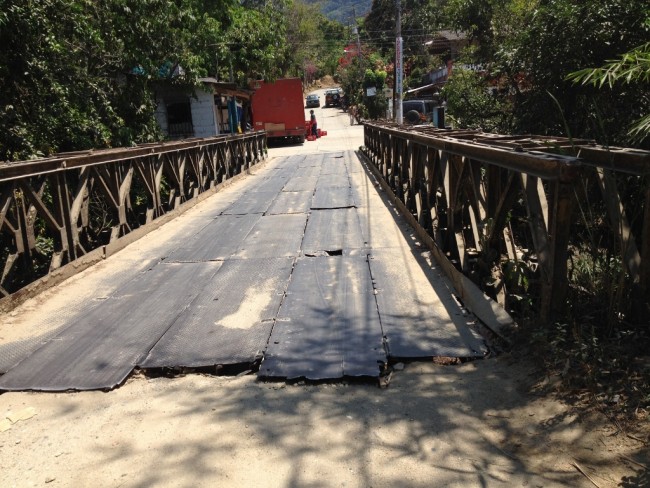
point(77, 74)
point(330, 46)
point(253, 45)
point(80, 74)
point(632, 68)
point(564, 36)
point(342, 10)
point(374, 107)
point(349, 74)
point(472, 105)
point(528, 48)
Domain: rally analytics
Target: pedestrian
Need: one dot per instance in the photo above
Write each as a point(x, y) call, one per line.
point(314, 125)
point(353, 113)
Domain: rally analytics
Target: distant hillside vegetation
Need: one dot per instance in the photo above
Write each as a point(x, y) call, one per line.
point(342, 10)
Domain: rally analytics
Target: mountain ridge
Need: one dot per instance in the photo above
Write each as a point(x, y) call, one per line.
point(343, 10)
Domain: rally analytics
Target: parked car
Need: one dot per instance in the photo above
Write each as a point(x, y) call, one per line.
point(312, 101)
point(418, 111)
point(333, 97)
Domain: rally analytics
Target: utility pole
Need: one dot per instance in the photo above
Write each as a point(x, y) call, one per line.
point(356, 31)
point(398, 66)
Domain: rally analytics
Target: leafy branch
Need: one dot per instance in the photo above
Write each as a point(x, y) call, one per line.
point(632, 67)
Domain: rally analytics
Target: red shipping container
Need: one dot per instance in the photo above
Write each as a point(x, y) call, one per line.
point(278, 109)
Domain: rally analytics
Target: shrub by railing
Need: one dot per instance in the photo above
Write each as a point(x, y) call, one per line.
point(54, 211)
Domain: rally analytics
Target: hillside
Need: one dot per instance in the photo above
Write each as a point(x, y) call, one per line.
point(343, 10)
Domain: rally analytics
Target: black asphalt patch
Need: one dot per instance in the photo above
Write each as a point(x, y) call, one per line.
point(331, 230)
point(274, 236)
point(100, 349)
point(231, 321)
point(332, 197)
point(420, 321)
point(328, 325)
point(217, 240)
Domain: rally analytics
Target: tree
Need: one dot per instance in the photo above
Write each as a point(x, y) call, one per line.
point(420, 22)
point(79, 74)
point(374, 106)
point(633, 67)
point(528, 48)
point(254, 45)
point(563, 36)
point(470, 104)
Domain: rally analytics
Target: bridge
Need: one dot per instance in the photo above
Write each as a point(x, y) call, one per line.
point(320, 261)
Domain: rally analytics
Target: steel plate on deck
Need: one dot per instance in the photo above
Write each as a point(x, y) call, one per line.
point(272, 184)
point(99, 350)
point(333, 166)
point(332, 230)
point(313, 160)
point(307, 172)
point(291, 202)
point(218, 240)
point(274, 236)
point(389, 235)
point(363, 192)
point(251, 202)
point(230, 322)
point(328, 326)
point(353, 164)
point(333, 181)
point(301, 183)
point(76, 308)
point(326, 197)
point(419, 316)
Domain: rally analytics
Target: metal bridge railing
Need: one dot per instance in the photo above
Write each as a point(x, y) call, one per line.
point(56, 210)
point(509, 212)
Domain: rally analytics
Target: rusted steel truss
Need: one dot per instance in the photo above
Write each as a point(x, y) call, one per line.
point(55, 210)
point(492, 203)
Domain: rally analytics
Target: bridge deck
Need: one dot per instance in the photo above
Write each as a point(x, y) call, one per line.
point(301, 263)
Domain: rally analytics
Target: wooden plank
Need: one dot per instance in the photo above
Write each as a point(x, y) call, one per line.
point(486, 309)
point(419, 316)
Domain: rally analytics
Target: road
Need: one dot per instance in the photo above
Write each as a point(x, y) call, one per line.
point(463, 425)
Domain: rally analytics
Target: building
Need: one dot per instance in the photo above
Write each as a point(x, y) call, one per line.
point(214, 108)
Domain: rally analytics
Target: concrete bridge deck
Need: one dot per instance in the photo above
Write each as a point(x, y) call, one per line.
point(301, 266)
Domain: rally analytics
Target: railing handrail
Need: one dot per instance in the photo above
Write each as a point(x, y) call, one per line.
point(81, 204)
point(462, 187)
point(66, 161)
point(538, 160)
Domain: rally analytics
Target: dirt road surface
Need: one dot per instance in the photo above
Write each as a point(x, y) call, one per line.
point(479, 424)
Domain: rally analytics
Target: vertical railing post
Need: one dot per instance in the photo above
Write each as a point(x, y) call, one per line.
point(560, 219)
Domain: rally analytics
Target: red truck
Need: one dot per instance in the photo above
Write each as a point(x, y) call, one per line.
point(278, 109)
